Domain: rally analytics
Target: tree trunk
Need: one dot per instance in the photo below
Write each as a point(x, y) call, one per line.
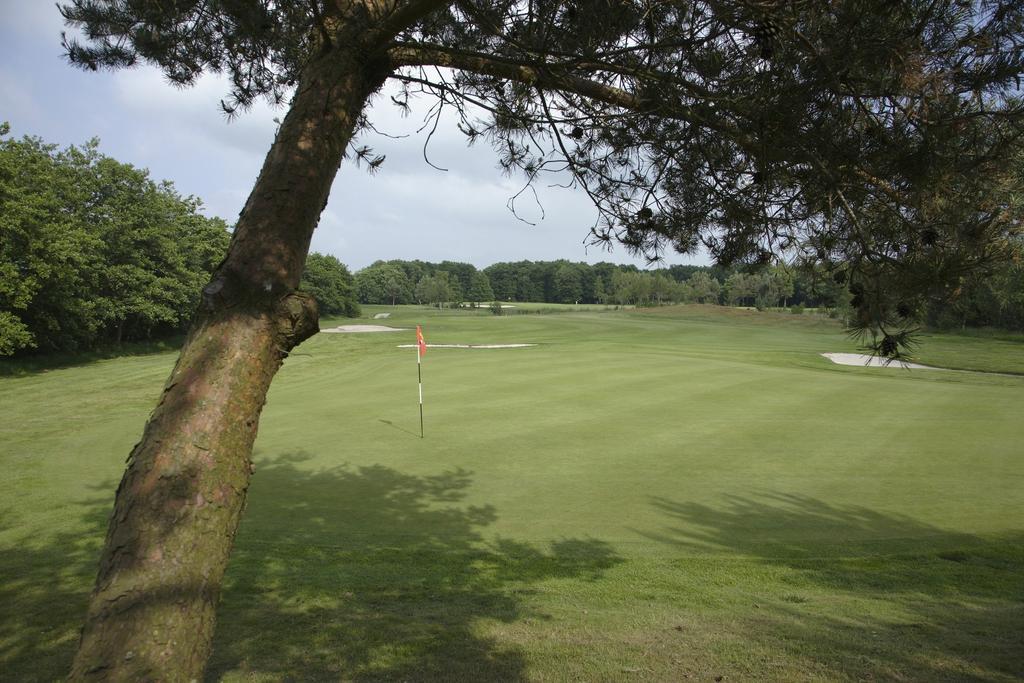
point(151, 613)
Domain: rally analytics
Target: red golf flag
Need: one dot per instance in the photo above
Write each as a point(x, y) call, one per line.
point(419, 341)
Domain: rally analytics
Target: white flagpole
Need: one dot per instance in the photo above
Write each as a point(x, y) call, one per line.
point(419, 376)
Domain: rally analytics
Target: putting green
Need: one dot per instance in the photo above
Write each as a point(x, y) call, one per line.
point(643, 494)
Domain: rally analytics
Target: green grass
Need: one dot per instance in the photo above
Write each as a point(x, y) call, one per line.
point(1002, 353)
point(645, 495)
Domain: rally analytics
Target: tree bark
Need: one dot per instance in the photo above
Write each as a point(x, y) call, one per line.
point(151, 613)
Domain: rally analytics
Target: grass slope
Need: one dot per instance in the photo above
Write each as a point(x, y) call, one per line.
point(645, 495)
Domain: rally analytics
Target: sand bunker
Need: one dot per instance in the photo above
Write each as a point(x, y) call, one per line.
point(873, 361)
point(467, 346)
point(349, 329)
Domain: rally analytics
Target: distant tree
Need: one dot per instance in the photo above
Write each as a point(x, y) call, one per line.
point(438, 288)
point(527, 289)
point(331, 284)
point(785, 279)
point(739, 287)
point(603, 273)
point(460, 277)
point(995, 300)
point(414, 270)
point(682, 273)
point(631, 287)
point(543, 275)
point(827, 291)
point(772, 286)
point(663, 288)
point(704, 288)
point(383, 283)
point(396, 288)
point(502, 278)
point(480, 288)
point(600, 295)
point(568, 286)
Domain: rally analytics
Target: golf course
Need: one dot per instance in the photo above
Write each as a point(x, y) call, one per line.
point(664, 494)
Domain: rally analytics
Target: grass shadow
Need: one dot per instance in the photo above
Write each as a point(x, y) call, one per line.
point(34, 363)
point(866, 594)
point(44, 590)
point(371, 574)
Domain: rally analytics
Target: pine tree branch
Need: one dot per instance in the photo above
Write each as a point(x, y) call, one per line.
point(557, 77)
point(402, 15)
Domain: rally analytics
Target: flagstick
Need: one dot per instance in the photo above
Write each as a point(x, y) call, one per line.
point(419, 376)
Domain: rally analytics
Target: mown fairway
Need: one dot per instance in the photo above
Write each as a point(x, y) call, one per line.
point(645, 495)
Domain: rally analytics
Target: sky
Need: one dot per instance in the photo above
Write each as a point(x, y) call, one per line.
point(407, 210)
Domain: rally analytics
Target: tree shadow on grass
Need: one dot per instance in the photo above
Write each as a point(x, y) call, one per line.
point(44, 589)
point(371, 574)
point(31, 364)
point(866, 594)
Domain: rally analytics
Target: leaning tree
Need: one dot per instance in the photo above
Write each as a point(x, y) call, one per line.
point(875, 140)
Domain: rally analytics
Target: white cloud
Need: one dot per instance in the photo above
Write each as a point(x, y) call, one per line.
point(195, 110)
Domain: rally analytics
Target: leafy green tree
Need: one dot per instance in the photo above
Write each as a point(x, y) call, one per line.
point(785, 280)
point(600, 296)
point(502, 277)
point(330, 283)
point(603, 273)
point(996, 300)
point(870, 135)
point(527, 289)
point(739, 287)
point(414, 270)
point(14, 334)
point(383, 283)
point(94, 251)
point(480, 288)
point(144, 284)
point(438, 289)
point(568, 286)
point(663, 288)
point(631, 287)
point(772, 286)
point(827, 291)
point(44, 250)
point(704, 288)
point(460, 277)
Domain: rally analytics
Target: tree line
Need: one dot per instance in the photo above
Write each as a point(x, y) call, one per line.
point(450, 282)
point(996, 300)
